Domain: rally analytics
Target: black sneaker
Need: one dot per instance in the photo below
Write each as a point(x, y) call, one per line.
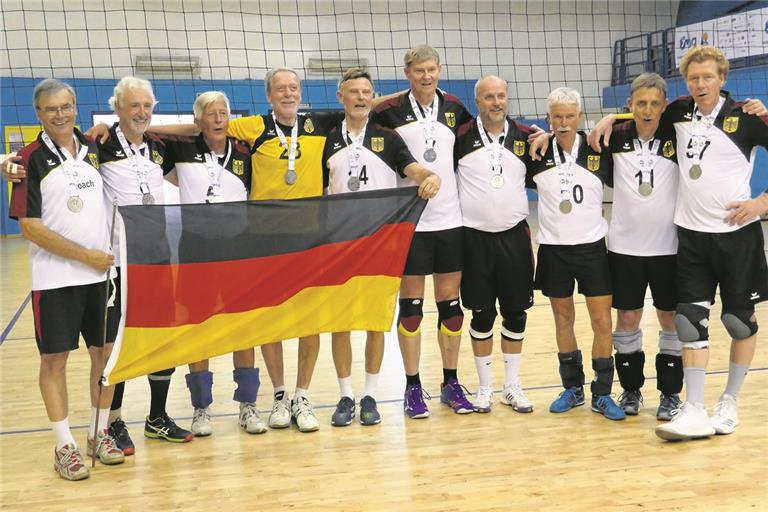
point(631, 402)
point(119, 433)
point(345, 411)
point(163, 427)
point(369, 414)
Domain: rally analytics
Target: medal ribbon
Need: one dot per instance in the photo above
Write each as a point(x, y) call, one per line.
point(140, 164)
point(566, 174)
point(68, 163)
point(493, 146)
point(701, 125)
point(291, 149)
point(647, 156)
point(214, 169)
point(427, 117)
point(353, 153)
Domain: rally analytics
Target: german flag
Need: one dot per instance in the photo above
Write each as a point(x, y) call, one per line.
point(204, 280)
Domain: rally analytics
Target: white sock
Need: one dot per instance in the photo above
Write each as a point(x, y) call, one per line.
point(63, 433)
point(103, 420)
point(371, 383)
point(511, 368)
point(483, 365)
point(345, 386)
point(114, 415)
point(299, 393)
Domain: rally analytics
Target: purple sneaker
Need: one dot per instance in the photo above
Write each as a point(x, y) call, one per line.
point(413, 404)
point(452, 395)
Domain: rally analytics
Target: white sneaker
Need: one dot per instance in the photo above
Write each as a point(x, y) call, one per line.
point(201, 422)
point(689, 422)
point(725, 416)
point(483, 399)
point(302, 414)
point(513, 396)
point(250, 419)
point(280, 417)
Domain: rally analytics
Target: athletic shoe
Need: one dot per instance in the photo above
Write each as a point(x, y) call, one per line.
point(631, 402)
point(453, 395)
point(280, 417)
point(605, 405)
point(201, 422)
point(668, 404)
point(483, 399)
point(567, 400)
point(689, 422)
point(163, 427)
point(725, 416)
point(119, 433)
point(413, 403)
point(68, 463)
point(106, 450)
point(303, 416)
point(513, 396)
point(344, 413)
point(250, 419)
point(369, 413)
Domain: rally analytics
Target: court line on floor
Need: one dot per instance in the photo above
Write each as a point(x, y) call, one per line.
point(14, 319)
point(324, 406)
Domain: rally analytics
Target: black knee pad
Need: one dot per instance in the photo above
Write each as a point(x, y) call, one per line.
point(513, 325)
point(629, 368)
point(481, 326)
point(410, 316)
point(692, 323)
point(740, 324)
point(450, 317)
point(669, 374)
point(571, 369)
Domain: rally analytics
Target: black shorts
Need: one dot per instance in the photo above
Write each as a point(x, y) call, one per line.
point(559, 265)
point(498, 266)
point(631, 275)
point(734, 260)
point(435, 252)
point(63, 314)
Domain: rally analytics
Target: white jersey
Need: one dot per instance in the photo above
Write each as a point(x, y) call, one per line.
point(492, 200)
point(578, 185)
point(66, 193)
point(645, 182)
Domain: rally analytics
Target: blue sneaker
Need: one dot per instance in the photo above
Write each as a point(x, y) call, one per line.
point(413, 403)
point(605, 405)
point(567, 400)
point(453, 395)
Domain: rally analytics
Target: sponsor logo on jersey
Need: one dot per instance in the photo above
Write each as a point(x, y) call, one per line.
point(337, 145)
point(86, 184)
point(626, 146)
point(477, 143)
point(199, 157)
point(94, 159)
point(593, 162)
point(157, 157)
point(50, 162)
point(409, 117)
point(450, 119)
point(237, 167)
point(669, 149)
point(309, 127)
point(518, 147)
point(730, 124)
point(377, 144)
point(119, 152)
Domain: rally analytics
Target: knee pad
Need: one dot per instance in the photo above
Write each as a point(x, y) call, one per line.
point(740, 324)
point(628, 342)
point(162, 374)
point(513, 325)
point(409, 319)
point(669, 374)
point(481, 326)
point(450, 317)
point(629, 368)
point(670, 344)
point(571, 369)
point(247, 380)
point(692, 323)
point(200, 385)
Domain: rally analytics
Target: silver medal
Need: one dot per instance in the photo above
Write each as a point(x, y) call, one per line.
point(75, 204)
point(430, 155)
point(695, 172)
point(497, 181)
point(645, 189)
point(353, 183)
point(290, 177)
point(566, 206)
point(147, 199)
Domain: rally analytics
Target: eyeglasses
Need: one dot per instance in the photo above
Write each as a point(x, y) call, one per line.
point(52, 111)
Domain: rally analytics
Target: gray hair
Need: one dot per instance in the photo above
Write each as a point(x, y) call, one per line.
point(564, 96)
point(477, 84)
point(51, 86)
point(354, 74)
point(420, 54)
point(130, 83)
point(271, 74)
point(650, 81)
point(205, 99)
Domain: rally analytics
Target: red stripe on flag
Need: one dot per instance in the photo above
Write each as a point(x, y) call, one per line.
point(173, 295)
